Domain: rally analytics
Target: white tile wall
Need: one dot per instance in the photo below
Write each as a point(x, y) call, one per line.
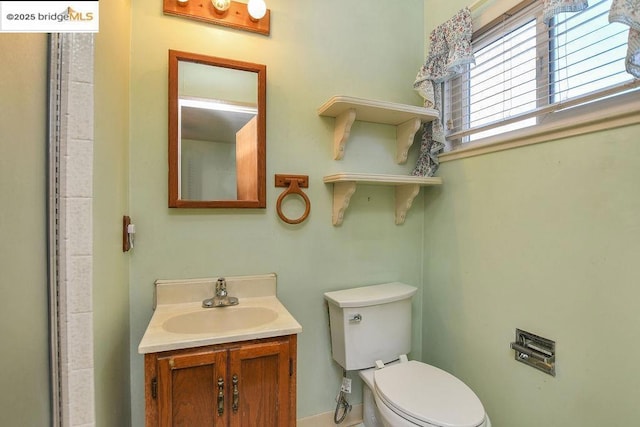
point(81, 397)
point(80, 331)
point(79, 295)
point(76, 231)
point(79, 221)
point(80, 110)
point(79, 154)
point(81, 58)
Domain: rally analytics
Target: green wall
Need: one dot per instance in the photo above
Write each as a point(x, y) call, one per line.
point(24, 308)
point(544, 238)
point(315, 50)
point(111, 180)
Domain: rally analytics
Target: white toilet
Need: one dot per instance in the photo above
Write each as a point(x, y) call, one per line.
point(371, 333)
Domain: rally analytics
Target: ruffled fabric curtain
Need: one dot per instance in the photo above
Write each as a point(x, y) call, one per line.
point(553, 7)
point(450, 52)
point(622, 11)
point(628, 12)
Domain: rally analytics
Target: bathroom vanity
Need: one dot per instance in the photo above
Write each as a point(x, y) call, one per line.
point(250, 383)
point(229, 366)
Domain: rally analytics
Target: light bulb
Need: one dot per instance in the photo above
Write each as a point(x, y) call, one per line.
point(257, 9)
point(221, 5)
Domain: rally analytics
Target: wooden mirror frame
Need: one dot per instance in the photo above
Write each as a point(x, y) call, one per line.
point(174, 144)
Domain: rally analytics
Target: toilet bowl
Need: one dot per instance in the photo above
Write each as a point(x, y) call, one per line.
point(371, 333)
point(414, 394)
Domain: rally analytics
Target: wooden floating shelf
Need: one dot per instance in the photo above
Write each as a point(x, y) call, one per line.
point(347, 109)
point(407, 188)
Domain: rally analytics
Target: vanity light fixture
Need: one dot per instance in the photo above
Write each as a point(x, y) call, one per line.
point(257, 9)
point(254, 16)
point(221, 6)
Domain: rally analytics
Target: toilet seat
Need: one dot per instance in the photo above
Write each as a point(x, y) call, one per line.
point(428, 396)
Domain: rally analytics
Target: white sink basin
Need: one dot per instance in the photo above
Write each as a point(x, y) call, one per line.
point(219, 320)
point(180, 322)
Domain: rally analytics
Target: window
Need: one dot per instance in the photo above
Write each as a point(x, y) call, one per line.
point(528, 74)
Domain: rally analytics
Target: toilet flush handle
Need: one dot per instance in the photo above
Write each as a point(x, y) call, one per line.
point(356, 318)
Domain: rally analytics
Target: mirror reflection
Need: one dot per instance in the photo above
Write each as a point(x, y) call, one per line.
point(216, 132)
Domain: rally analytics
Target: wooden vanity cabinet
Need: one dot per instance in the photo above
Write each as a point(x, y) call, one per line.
point(243, 384)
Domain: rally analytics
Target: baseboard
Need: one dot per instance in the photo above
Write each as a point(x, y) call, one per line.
point(326, 419)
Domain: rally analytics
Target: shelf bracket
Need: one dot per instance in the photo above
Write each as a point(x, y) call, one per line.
point(342, 192)
point(405, 132)
point(404, 199)
point(407, 188)
point(342, 131)
point(406, 118)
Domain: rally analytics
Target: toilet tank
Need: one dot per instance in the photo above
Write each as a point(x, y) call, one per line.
point(370, 323)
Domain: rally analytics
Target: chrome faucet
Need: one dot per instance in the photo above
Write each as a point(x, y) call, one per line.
point(221, 298)
point(221, 288)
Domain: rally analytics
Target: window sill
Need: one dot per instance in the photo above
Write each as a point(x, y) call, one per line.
point(623, 110)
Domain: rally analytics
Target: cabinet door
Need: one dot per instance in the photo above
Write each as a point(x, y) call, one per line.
point(260, 376)
point(193, 389)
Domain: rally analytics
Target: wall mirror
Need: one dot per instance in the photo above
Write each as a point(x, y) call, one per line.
point(217, 132)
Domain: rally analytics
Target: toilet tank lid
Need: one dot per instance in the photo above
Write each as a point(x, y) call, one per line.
point(371, 295)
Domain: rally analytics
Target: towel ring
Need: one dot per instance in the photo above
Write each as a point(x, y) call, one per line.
point(293, 184)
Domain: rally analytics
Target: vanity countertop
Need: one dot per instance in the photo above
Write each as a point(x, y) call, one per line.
point(179, 321)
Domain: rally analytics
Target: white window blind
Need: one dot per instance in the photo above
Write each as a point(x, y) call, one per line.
point(526, 70)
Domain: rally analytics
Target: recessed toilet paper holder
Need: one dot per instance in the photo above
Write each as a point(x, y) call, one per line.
point(535, 351)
